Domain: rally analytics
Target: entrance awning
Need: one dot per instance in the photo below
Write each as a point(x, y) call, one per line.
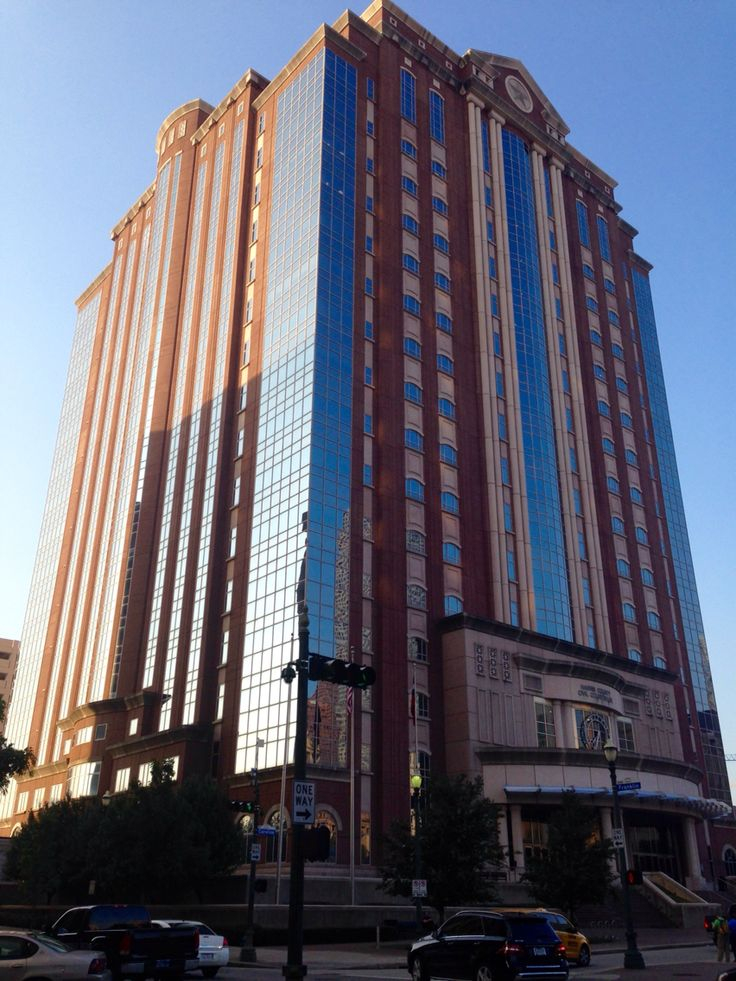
point(707, 807)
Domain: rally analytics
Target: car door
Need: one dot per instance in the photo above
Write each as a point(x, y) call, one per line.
point(68, 928)
point(459, 946)
point(14, 953)
point(567, 934)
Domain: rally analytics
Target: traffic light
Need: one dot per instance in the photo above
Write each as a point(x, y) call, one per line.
point(317, 843)
point(633, 877)
point(339, 672)
point(242, 806)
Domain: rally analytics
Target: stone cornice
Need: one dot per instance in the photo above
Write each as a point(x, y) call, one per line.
point(133, 210)
point(552, 645)
point(546, 756)
point(84, 297)
point(199, 733)
point(176, 114)
point(251, 77)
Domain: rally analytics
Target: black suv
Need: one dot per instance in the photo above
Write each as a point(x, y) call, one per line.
point(476, 945)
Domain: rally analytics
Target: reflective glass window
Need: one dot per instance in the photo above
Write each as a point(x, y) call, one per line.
point(408, 96)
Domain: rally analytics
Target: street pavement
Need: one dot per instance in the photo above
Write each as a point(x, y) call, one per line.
point(669, 954)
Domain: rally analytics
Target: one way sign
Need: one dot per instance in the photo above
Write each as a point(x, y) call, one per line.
point(303, 809)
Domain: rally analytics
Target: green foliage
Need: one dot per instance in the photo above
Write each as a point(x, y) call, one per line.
point(458, 838)
point(158, 843)
point(576, 867)
point(13, 762)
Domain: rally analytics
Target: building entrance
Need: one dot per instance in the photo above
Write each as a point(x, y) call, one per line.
point(655, 844)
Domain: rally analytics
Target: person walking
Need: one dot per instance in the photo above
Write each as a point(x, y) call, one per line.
point(721, 935)
point(731, 929)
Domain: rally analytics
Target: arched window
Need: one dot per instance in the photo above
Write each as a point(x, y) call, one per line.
point(272, 841)
point(328, 819)
point(729, 860)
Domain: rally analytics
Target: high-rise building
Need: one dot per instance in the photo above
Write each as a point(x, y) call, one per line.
point(377, 338)
point(8, 664)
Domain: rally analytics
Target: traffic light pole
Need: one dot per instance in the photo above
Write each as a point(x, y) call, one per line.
point(248, 949)
point(295, 969)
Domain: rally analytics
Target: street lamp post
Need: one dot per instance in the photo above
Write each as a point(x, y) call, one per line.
point(248, 949)
point(632, 956)
point(416, 792)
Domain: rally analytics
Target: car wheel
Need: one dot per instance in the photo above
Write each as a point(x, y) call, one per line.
point(584, 956)
point(209, 972)
point(418, 970)
point(483, 972)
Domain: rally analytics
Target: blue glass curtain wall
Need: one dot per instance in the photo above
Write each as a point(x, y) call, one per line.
point(682, 562)
point(549, 566)
point(302, 480)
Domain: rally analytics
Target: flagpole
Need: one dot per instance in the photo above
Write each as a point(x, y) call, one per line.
point(282, 799)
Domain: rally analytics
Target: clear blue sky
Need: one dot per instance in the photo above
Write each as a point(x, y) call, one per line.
point(646, 87)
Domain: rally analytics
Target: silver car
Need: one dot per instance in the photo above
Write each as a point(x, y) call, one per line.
point(34, 955)
point(214, 952)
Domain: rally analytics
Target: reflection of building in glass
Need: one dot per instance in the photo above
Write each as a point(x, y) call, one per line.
point(376, 340)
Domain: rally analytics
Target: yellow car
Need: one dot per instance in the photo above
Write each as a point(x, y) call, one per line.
point(576, 943)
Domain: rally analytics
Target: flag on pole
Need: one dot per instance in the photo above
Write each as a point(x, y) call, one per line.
point(349, 701)
point(413, 705)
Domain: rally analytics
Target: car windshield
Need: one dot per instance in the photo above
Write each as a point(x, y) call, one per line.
point(532, 929)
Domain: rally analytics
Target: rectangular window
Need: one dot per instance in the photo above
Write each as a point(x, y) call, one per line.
point(422, 705)
point(369, 127)
point(370, 89)
point(369, 330)
point(369, 243)
point(603, 242)
point(545, 721)
point(583, 231)
point(510, 565)
point(369, 203)
point(625, 731)
point(408, 96)
point(486, 144)
point(122, 780)
point(489, 231)
point(494, 305)
point(367, 475)
point(368, 424)
point(508, 520)
point(492, 267)
point(436, 116)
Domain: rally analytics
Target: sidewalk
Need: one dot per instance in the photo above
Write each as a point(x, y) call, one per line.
point(392, 954)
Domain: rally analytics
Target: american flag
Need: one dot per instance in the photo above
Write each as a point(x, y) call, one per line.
point(349, 701)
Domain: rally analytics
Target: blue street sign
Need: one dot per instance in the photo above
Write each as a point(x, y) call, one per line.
point(628, 786)
point(266, 829)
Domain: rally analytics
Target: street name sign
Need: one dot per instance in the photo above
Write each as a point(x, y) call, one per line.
point(628, 786)
point(304, 808)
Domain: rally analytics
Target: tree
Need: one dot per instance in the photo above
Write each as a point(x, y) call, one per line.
point(575, 868)
point(458, 838)
point(13, 762)
point(158, 843)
